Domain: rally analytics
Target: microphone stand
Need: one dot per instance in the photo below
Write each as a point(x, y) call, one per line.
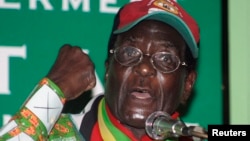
point(197, 134)
point(159, 125)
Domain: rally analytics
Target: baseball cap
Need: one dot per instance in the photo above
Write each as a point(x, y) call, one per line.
point(167, 11)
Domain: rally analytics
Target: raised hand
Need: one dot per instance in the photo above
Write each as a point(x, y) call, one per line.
point(73, 71)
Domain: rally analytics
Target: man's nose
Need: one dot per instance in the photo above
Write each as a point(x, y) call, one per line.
point(145, 68)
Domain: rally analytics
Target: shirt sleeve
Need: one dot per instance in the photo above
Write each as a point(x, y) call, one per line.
point(65, 130)
point(37, 116)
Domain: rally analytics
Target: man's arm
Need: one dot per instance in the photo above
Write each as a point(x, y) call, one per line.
point(70, 76)
point(37, 115)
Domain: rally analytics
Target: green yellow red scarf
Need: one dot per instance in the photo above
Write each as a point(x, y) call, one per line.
point(111, 130)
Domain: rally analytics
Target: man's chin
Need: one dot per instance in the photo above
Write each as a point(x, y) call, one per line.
point(138, 124)
point(134, 120)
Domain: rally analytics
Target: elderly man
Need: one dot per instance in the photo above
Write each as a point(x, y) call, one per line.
point(150, 67)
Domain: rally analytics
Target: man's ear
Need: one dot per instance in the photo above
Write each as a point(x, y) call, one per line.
point(190, 80)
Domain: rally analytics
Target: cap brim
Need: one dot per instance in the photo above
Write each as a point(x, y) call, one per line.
point(173, 21)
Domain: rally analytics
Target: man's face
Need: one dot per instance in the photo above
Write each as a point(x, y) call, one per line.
point(134, 92)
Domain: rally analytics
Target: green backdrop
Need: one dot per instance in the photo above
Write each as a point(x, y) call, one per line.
point(32, 31)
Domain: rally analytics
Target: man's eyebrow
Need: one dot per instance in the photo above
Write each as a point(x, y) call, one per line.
point(168, 44)
point(131, 39)
point(134, 38)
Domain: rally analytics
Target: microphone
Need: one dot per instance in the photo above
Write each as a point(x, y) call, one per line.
point(160, 125)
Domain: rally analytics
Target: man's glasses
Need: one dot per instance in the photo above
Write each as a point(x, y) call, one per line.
point(164, 62)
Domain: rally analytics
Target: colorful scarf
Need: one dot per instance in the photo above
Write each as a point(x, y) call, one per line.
point(99, 124)
point(111, 130)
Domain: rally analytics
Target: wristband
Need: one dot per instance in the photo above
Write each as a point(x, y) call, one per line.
point(54, 87)
point(46, 102)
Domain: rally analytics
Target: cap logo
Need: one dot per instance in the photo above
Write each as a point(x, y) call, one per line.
point(165, 5)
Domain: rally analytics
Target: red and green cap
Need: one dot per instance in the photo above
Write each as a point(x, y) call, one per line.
point(167, 11)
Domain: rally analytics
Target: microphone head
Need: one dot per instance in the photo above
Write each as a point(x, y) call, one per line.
point(159, 126)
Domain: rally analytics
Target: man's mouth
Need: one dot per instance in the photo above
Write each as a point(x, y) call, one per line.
point(141, 93)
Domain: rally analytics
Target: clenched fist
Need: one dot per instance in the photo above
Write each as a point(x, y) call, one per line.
point(73, 72)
